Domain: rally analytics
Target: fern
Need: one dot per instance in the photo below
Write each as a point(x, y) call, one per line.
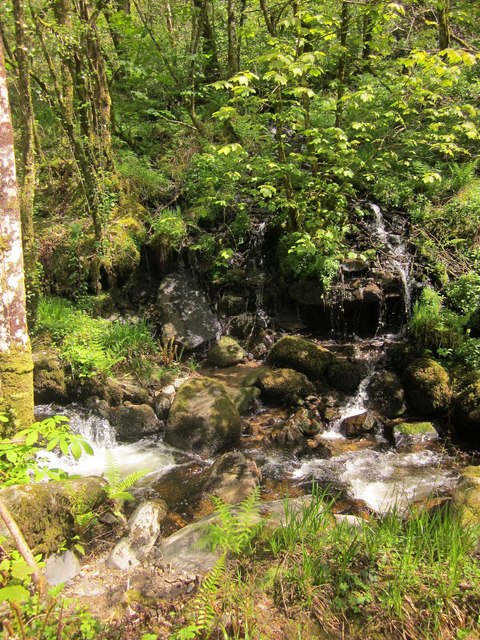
point(238, 525)
point(202, 610)
point(117, 488)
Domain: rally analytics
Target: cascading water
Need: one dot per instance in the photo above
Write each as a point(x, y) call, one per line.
point(149, 454)
point(396, 256)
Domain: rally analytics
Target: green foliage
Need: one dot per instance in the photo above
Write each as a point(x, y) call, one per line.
point(169, 229)
point(117, 488)
point(19, 461)
point(92, 346)
point(27, 615)
point(201, 612)
point(463, 294)
point(238, 525)
point(386, 571)
point(432, 327)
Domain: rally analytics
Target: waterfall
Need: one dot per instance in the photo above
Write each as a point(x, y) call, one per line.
point(148, 454)
point(396, 256)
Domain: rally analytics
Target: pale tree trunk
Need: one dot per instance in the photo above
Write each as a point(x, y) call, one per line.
point(16, 366)
point(28, 174)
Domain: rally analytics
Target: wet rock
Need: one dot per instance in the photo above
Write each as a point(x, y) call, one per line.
point(48, 377)
point(297, 432)
point(371, 294)
point(357, 426)
point(118, 391)
point(45, 512)
point(245, 399)
point(466, 498)
point(306, 357)
point(203, 418)
point(354, 267)
point(185, 313)
point(467, 408)
point(411, 432)
point(428, 389)
point(162, 403)
point(284, 386)
point(309, 292)
point(346, 375)
point(135, 421)
point(232, 305)
point(386, 394)
point(61, 568)
point(143, 529)
point(226, 352)
point(233, 477)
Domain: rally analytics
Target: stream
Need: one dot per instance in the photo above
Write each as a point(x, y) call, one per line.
point(369, 471)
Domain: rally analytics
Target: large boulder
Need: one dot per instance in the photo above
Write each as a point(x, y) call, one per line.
point(135, 421)
point(203, 418)
point(428, 389)
point(233, 477)
point(306, 357)
point(184, 312)
point(386, 394)
point(284, 387)
point(407, 433)
point(467, 407)
point(466, 498)
point(143, 529)
point(346, 375)
point(46, 512)
point(226, 352)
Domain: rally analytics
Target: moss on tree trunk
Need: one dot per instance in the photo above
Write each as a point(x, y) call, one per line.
point(16, 384)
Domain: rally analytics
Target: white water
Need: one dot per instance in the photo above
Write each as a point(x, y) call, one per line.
point(150, 454)
point(397, 256)
point(383, 480)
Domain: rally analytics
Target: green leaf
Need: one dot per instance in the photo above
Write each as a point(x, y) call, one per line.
point(64, 447)
point(76, 450)
point(14, 593)
point(31, 438)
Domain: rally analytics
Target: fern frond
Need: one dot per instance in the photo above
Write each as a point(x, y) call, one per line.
point(112, 472)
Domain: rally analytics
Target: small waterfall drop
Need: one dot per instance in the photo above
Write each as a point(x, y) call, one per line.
point(149, 454)
point(396, 256)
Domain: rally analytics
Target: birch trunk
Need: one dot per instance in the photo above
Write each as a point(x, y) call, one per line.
point(16, 366)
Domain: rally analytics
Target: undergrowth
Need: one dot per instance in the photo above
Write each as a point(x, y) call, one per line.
point(395, 576)
point(95, 346)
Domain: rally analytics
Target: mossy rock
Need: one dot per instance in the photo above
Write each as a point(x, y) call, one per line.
point(49, 379)
point(245, 397)
point(226, 352)
point(414, 432)
point(203, 418)
point(232, 477)
point(466, 498)
point(135, 421)
point(386, 392)
point(346, 375)
point(285, 387)
point(467, 408)
point(360, 424)
point(46, 512)
point(306, 357)
point(428, 389)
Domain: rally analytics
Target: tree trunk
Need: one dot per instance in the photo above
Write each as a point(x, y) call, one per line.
point(16, 366)
point(28, 174)
point(443, 8)
point(233, 57)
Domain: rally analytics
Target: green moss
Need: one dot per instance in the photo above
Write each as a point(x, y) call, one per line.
point(415, 428)
point(226, 352)
point(16, 387)
point(303, 356)
point(472, 471)
point(285, 386)
point(428, 387)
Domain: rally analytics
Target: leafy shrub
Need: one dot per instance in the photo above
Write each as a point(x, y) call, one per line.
point(92, 345)
point(169, 229)
point(464, 293)
point(432, 327)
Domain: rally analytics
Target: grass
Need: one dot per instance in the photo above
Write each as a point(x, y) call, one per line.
point(95, 346)
point(393, 576)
